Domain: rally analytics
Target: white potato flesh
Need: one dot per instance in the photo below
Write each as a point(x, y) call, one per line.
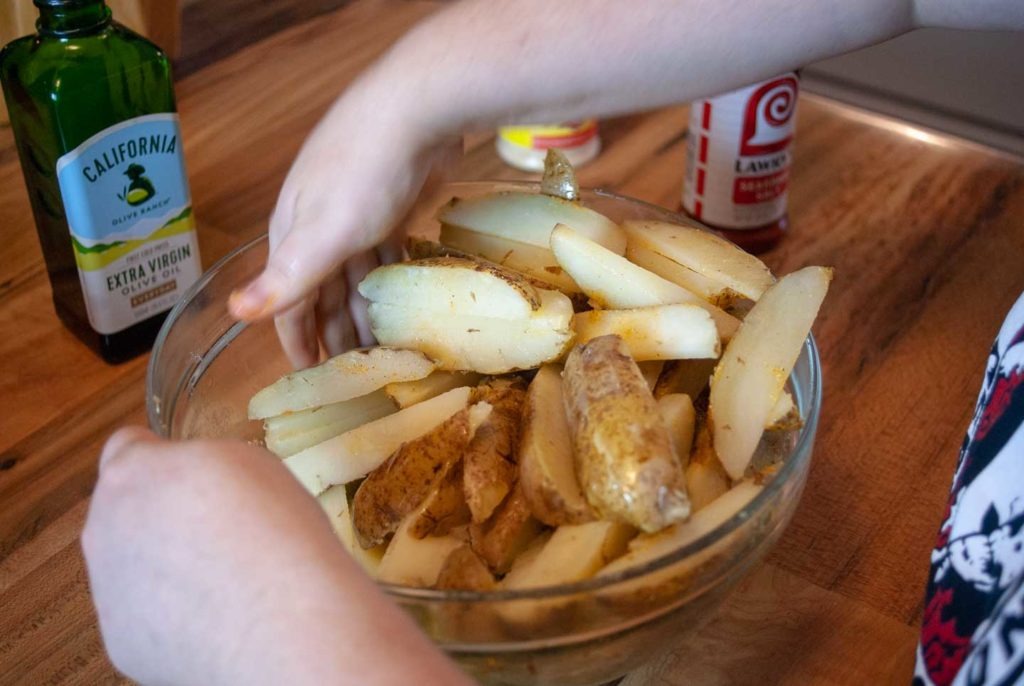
point(547, 469)
point(346, 376)
point(534, 261)
point(356, 453)
point(781, 410)
point(573, 553)
point(757, 363)
point(663, 332)
point(713, 291)
point(706, 481)
point(411, 392)
point(334, 501)
point(647, 547)
point(481, 344)
point(529, 218)
point(287, 434)
point(651, 369)
point(454, 286)
point(411, 561)
point(704, 253)
point(613, 282)
point(681, 419)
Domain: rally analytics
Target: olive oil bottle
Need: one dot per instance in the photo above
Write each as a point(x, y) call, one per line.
point(92, 110)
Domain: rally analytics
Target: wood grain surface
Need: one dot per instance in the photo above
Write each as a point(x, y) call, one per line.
point(927, 237)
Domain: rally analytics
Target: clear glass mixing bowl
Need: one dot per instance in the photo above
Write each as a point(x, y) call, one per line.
point(205, 366)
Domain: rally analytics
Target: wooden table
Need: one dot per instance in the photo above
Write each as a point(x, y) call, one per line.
point(927, 237)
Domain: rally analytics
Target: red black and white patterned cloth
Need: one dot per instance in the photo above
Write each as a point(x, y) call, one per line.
point(973, 627)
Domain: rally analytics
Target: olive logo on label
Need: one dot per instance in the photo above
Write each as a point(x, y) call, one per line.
point(139, 189)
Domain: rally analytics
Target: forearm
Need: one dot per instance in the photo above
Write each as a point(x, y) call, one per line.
point(482, 63)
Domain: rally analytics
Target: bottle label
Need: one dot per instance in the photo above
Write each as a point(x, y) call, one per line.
point(738, 155)
point(128, 207)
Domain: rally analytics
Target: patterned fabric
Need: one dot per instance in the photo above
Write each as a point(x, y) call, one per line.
point(973, 627)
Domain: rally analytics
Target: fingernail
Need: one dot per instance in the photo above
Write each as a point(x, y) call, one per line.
point(250, 302)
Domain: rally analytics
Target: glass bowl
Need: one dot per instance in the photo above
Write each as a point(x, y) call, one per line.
point(205, 366)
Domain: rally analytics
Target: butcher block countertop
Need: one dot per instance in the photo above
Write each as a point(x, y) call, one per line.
point(926, 234)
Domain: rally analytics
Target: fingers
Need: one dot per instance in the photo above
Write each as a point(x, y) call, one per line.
point(123, 439)
point(297, 330)
point(356, 270)
point(337, 333)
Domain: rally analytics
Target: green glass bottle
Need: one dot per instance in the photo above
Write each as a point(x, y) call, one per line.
point(92, 109)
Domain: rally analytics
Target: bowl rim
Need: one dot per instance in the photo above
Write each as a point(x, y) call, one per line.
point(799, 455)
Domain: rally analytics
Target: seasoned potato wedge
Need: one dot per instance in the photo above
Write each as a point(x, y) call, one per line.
point(287, 434)
point(344, 377)
point(648, 547)
point(529, 218)
point(613, 282)
point(757, 363)
point(453, 286)
point(706, 479)
point(663, 332)
point(411, 392)
point(335, 503)
point(534, 261)
point(444, 508)
point(685, 376)
point(411, 561)
point(559, 180)
point(573, 553)
point(488, 345)
point(464, 570)
point(713, 291)
point(402, 483)
point(785, 415)
point(705, 253)
point(508, 532)
point(624, 458)
point(547, 469)
point(356, 453)
point(678, 414)
point(489, 470)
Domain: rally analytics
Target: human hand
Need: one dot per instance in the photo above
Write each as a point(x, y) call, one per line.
point(356, 176)
point(208, 563)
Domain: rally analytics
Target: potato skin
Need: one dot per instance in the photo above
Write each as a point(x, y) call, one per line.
point(489, 465)
point(401, 484)
point(624, 457)
point(464, 570)
point(508, 532)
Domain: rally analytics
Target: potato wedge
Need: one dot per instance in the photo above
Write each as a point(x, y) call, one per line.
point(663, 332)
point(613, 282)
point(559, 179)
point(483, 344)
point(573, 553)
point(453, 286)
point(508, 532)
point(334, 501)
point(712, 291)
point(624, 458)
point(531, 260)
point(785, 415)
point(757, 363)
point(678, 414)
point(411, 392)
point(444, 508)
point(356, 453)
point(463, 570)
point(685, 376)
point(547, 470)
point(489, 465)
point(402, 483)
point(411, 561)
point(706, 479)
point(646, 548)
point(350, 375)
point(705, 253)
point(529, 218)
point(290, 433)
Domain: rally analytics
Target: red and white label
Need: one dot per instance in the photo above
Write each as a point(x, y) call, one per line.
point(738, 155)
